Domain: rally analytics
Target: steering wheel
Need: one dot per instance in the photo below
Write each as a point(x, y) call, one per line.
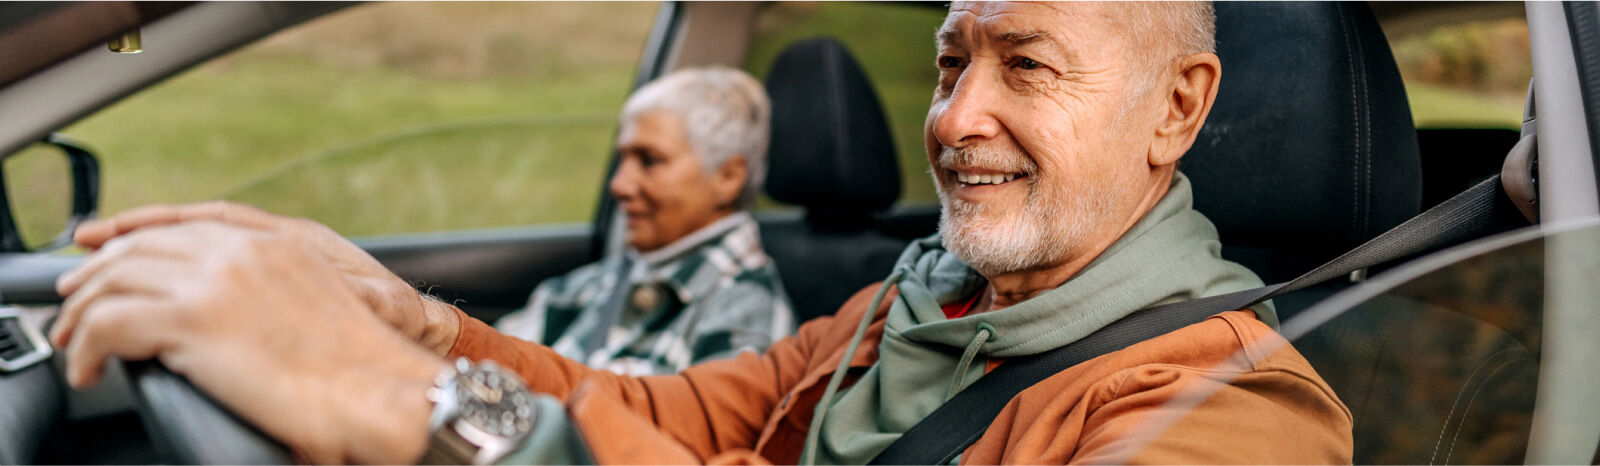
point(188, 427)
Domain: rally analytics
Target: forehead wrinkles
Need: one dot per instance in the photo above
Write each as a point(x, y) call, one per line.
point(1070, 28)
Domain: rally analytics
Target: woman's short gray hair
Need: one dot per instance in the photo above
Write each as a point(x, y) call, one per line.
point(724, 112)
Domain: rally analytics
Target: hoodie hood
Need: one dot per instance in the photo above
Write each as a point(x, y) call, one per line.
point(1170, 255)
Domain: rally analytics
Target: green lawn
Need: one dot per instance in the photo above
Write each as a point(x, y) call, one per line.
point(274, 132)
point(1442, 107)
point(309, 123)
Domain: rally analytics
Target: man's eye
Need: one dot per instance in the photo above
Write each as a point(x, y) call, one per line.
point(949, 62)
point(1028, 64)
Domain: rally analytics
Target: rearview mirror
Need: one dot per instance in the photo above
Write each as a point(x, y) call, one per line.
point(48, 189)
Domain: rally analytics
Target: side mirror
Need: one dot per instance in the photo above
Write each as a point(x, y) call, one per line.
point(47, 190)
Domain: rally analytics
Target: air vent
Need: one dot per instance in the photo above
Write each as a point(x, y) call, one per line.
point(21, 345)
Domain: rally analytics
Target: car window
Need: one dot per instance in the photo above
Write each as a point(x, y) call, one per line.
point(390, 118)
point(893, 43)
point(1470, 74)
point(1442, 367)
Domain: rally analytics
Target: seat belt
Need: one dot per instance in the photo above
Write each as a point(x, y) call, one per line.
point(946, 432)
point(610, 311)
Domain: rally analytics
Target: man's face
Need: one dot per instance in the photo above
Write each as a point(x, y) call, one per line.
point(660, 184)
point(1035, 159)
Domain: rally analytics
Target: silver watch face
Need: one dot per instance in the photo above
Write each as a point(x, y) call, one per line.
point(494, 403)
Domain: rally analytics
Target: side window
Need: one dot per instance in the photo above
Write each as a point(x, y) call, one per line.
point(893, 42)
point(390, 118)
point(1471, 74)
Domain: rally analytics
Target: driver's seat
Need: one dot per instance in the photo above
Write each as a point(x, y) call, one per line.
point(1309, 150)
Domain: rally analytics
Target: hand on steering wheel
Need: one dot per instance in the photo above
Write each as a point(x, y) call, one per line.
point(261, 322)
point(432, 324)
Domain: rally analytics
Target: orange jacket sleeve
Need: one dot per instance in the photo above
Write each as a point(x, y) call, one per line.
point(1167, 416)
point(709, 408)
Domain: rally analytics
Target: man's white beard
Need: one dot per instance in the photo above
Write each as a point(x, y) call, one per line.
point(1042, 231)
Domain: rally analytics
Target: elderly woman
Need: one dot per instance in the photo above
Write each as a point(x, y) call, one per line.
point(693, 284)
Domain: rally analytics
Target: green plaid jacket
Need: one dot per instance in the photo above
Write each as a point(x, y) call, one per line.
point(707, 296)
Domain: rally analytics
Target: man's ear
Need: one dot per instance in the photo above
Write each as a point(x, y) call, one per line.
point(1186, 107)
point(729, 180)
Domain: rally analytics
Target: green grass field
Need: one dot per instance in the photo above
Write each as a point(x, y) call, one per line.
point(495, 114)
point(348, 120)
point(1435, 106)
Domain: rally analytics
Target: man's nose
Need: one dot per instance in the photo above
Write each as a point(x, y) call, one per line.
point(968, 114)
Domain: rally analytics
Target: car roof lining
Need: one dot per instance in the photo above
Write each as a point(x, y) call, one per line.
point(33, 36)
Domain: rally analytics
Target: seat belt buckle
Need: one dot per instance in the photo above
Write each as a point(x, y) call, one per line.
point(21, 345)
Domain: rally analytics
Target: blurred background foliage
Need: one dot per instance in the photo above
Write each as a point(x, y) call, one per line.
point(427, 116)
point(390, 118)
point(1473, 74)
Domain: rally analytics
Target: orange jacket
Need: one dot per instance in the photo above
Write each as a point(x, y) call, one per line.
point(1226, 390)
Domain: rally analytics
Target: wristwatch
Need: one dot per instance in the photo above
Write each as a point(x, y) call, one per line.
point(480, 414)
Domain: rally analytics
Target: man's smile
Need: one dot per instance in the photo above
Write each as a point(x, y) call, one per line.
point(975, 179)
point(976, 184)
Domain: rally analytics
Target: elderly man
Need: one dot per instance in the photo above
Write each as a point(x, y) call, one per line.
point(1053, 136)
point(694, 284)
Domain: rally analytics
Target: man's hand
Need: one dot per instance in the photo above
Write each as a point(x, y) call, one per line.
point(431, 323)
point(262, 322)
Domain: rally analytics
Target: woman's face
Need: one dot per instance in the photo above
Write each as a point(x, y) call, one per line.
point(662, 187)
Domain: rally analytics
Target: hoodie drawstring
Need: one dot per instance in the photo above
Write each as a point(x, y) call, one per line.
point(808, 456)
point(985, 334)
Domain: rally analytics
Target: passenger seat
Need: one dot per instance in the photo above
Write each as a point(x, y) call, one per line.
point(832, 155)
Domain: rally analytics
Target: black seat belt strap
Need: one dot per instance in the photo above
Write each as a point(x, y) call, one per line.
point(946, 432)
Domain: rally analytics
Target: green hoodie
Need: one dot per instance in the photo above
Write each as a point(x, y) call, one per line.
point(1170, 255)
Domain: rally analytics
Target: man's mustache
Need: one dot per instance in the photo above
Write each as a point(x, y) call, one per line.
point(986, 157)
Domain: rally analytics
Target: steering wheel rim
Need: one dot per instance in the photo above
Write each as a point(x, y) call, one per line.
point(188, 427)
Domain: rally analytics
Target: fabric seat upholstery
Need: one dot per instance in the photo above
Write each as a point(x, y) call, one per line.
point(831, 154)
point(1310, 149)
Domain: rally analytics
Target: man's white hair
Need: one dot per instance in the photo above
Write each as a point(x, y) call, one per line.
point(723, 111)
point(1177, 29)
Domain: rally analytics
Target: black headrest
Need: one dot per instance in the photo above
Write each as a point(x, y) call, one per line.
point(831, 147)
point(1310, 143)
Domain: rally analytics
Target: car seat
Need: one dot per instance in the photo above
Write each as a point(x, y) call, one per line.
point(831, 154)
point(1310, 151)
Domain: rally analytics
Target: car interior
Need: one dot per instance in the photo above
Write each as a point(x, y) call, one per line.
point(830, 151)
point(1309, 152)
